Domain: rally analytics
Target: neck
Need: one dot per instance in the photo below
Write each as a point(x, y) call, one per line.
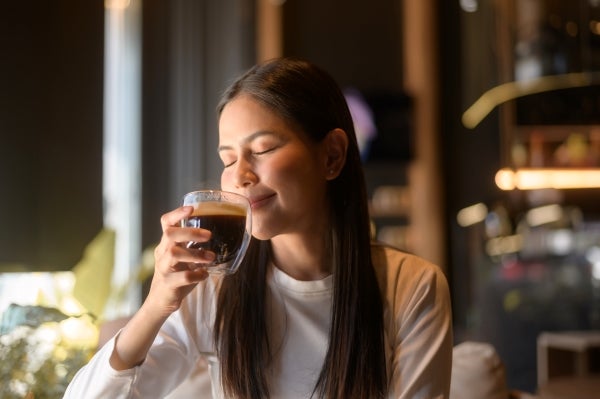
point(302, 257)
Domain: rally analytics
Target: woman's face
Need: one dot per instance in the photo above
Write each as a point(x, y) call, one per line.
point(275, 166)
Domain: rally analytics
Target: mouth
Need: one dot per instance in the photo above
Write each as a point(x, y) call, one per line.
point(259, 201)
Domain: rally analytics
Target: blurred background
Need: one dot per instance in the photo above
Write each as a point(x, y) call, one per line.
point(478, 120)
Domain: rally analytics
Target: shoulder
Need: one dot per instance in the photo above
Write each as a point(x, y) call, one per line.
point(393, 264)
point(405, 277)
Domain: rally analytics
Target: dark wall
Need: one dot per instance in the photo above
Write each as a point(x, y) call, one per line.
point(191, 51)
point(359, 43)
point(470, 158)
point(155, 119)
point(50, 131)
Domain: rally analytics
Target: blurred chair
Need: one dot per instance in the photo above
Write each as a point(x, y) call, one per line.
point(568, 365)
point(478, 373)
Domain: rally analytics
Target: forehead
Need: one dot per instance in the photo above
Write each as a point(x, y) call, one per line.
point(244, 116)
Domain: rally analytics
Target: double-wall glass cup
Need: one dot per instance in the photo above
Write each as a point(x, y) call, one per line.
point(228, 217)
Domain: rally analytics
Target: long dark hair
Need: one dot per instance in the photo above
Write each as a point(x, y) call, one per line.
point(354, 365)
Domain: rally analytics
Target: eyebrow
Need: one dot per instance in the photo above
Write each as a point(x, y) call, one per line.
point(248, 139)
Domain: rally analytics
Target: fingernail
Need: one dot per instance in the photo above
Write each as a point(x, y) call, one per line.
point(209, 255)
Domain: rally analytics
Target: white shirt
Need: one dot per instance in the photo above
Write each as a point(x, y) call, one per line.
point(418, 336)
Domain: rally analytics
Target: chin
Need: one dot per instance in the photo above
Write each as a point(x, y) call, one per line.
point(261, 236)
point(262, 229)
point(259, 233)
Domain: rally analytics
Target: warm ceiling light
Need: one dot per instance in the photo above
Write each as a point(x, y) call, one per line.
point(116, 4)
point(532, 179)
point(505, 179)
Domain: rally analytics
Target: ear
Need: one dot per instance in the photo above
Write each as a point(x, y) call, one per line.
point(335, 148)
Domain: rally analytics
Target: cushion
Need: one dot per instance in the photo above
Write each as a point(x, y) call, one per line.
point(477, 372)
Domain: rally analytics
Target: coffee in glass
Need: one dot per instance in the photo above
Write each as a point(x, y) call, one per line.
point(227, 216)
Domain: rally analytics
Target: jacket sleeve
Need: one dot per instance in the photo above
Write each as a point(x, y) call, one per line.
point(420, 333)
point(173, 357)
point(98, 379)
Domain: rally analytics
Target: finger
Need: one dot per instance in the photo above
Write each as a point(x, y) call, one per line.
point(197, 274)
point(187, 234)
point(174, 217)
point(186, 276)
point(195, 266)
point(194, 276)
point(183, 266)
point(184, 255)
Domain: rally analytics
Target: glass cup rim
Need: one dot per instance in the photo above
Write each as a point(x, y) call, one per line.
point(216, 191)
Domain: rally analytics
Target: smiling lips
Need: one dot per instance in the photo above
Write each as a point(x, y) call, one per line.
point(258, 201)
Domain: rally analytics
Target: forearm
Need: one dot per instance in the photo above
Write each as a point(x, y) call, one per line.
point(136, 338)
point(98, 381)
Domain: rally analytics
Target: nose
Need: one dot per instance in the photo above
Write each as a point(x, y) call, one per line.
point(244, 175)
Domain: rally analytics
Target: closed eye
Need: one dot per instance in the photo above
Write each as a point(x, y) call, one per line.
point(227, 163)
point(228, 160)
point(264, 151)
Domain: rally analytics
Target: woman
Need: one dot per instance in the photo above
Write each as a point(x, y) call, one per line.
point(315, 310)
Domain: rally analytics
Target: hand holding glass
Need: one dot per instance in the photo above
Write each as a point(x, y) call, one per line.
point(228, 217)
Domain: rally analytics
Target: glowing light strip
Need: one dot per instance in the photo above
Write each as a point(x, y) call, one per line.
point(534, 179)
point(511, 90)
point(472, 214)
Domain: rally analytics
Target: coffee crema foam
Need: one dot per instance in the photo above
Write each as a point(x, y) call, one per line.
point(218, 208)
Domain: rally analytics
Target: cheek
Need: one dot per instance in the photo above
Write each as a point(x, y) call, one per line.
point(226, 180)
point(287, 168)
point(295, 174)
